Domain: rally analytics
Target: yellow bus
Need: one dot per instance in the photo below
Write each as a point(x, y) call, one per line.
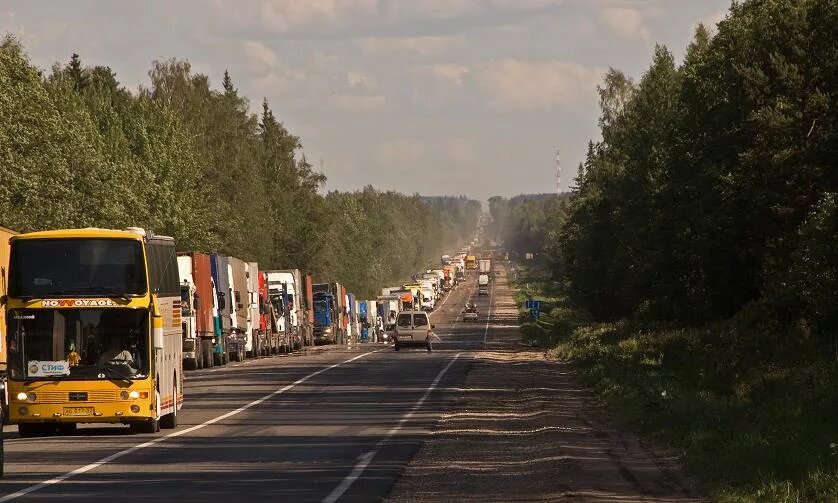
point(93, 330)
point(471, 262)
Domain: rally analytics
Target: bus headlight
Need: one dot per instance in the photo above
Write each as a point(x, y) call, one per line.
point(123, 395)
point(21, 396)
point(134, 394)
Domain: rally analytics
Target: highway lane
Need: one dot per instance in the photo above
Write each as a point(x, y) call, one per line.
point(339, 425)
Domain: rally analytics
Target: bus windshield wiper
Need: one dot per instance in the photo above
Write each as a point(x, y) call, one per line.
point(115, 372)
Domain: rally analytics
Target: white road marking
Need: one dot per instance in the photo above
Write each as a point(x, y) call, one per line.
point(366, 458)
point(489, 314)
point(150, 443)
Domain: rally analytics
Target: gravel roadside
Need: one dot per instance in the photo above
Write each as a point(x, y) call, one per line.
point(522, 428)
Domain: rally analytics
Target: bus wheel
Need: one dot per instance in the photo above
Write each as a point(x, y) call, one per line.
point(29, 430)
point(67, 428)
point(169, 421)
point(152, 426)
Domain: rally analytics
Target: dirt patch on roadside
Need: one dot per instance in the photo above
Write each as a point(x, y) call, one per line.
point(523, 429)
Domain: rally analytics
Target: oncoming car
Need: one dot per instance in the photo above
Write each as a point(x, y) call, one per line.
point(413, 328)
point(470, 312)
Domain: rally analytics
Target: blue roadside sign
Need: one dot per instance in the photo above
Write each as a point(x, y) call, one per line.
point(535, 308)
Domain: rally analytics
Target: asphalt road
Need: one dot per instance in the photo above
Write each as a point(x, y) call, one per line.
point(336, 426)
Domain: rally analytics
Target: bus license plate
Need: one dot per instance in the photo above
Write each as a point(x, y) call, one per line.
point(78, 411)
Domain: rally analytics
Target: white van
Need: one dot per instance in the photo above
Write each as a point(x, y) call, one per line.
point(413, 328)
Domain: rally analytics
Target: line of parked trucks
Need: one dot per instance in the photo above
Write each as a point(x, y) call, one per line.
point(232, 310)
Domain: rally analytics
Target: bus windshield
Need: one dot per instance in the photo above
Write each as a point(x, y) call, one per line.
point(78, 343)
point(76, 268)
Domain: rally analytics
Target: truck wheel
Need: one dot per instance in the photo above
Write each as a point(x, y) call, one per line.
point(190, 364)
point(206, 351)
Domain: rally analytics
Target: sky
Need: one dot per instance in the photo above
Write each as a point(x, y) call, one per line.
point(437, 97)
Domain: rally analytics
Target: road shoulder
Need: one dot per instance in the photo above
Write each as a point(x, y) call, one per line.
point(523, 428)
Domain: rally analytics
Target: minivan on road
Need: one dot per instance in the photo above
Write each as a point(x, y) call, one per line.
point(413, 328)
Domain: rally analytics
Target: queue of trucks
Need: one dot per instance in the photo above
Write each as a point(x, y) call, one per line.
point(224, 309)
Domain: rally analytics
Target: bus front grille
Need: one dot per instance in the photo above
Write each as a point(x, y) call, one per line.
point(67, 396)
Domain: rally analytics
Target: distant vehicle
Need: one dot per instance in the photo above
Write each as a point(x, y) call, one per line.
point(470, 313)
point(471, 262)
point(483, 284)
point(413, 328)
point(485, 265)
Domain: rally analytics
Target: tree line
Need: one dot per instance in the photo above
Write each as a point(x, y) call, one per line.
point(179, 157)
point(712, 191)
point(713, 186)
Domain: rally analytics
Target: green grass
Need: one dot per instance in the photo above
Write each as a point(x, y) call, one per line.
point(754, 424)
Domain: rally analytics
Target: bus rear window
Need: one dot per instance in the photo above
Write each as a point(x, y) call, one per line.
point(76, 268)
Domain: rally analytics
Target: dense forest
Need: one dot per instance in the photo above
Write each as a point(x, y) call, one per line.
point(184, 159)
point(713, 187)
point(695, 259)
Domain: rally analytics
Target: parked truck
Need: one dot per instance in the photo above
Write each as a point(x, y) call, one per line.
point(268, 327)
point(343, 304)
point(288, 284)
point(388, 306)
point(239, 336)
point(329, 313)
point(353, 333)
point(256, 337)
point(485, 266)
point(224, 316)
point(307, 303)
point(196, 300)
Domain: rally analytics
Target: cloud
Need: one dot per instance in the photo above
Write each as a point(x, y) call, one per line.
point(261, 60)
point(439, 83)
point(714, 19)
point(447, 72)
point(627, 23)
point(400, 151)
point(281, 16)
point(521, 85)
point(357, 103)
point(424, 46)
point(434, 9)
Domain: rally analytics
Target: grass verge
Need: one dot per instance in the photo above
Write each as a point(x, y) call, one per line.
point(752, 410)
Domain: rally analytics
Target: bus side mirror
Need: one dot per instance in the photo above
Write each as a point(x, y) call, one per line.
point(157, 331)
point(156, 324)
